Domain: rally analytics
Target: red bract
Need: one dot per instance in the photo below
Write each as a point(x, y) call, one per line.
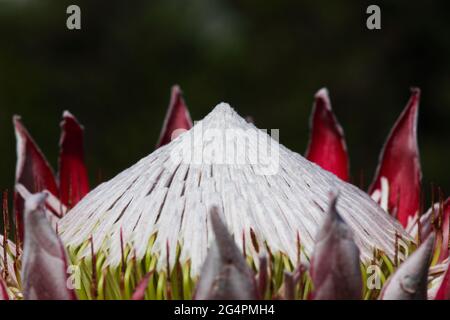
point(410, 280)
point(32, 169)
point(263, 276)
point(443, 292)
point(400, 164)
point(3, 291)
point(335, 269)
point(177, 118)
point(34, 173)
point(44, 261)
point(445, 230)
point(327, 146)
point(73, 177)
point(225, 274)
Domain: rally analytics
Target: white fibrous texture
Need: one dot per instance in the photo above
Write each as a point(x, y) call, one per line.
point(265, 193)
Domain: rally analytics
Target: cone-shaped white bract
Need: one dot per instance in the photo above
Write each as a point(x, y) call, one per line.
point(264, 191)
point(225, 274)
point(335, 265)
point(44, 262)
point(410, 280)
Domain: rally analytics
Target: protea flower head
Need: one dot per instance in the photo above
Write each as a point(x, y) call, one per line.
point(222, 210)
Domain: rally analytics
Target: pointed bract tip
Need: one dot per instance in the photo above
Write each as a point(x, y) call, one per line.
point(17, 123)
point(415, 91)
point(401, 151)
point(428, 244)
point(335, 265)
point(262, 274)
point(225, 274)
point(332, 207)
point(176, 90)
point(333, 195)
point(32, 169)
point(73, 177)
point(215, 219)
point(410, 280)
point(44, 260)
point(67, 114)
point(16, 118)
point(175, 94)
point(219, 227)
point(327, 147)
point(177, 117)
point(414, 99)
point(324, 95)
point(35, 201)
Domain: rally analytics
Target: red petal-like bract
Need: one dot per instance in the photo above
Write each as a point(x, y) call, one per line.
point(32, 170)
point(139, 292)
point(443, 292)
point(262, 276)
point(327, 146)
point(445, 230)
point(3, 291)
point(177, 118)
point(400, 164)
point(410, 280)
point(44, 261)
point(225, 274)
point(73, 177)
point(335, 265)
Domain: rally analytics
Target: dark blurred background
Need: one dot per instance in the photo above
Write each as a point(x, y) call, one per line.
point(266, 58)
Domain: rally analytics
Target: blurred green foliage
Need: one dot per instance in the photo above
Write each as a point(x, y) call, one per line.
point(266, 58)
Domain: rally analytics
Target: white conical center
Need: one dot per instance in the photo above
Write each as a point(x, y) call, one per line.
point(262, 189)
